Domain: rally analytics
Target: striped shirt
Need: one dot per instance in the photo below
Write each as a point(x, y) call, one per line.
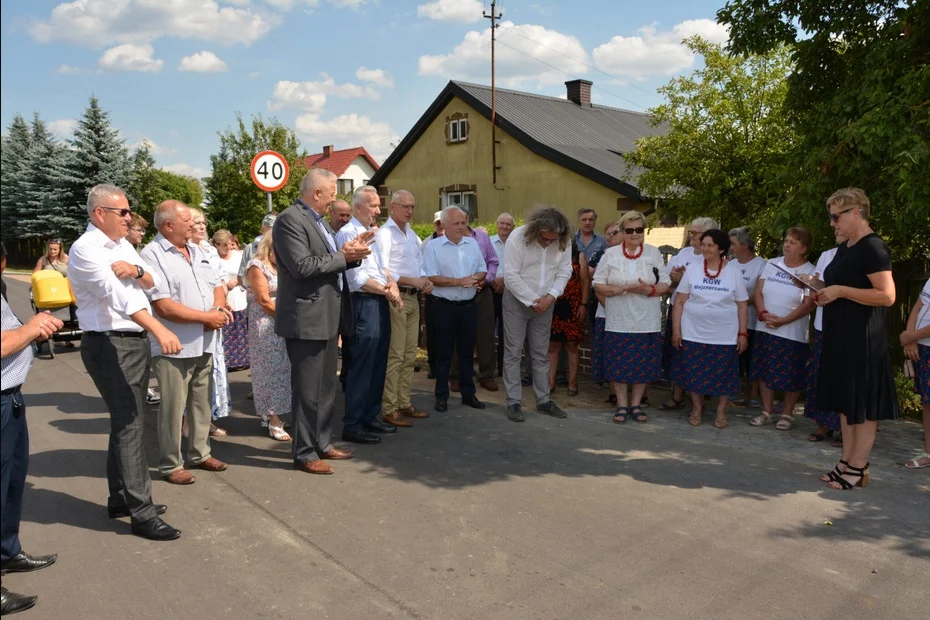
point(14, 368)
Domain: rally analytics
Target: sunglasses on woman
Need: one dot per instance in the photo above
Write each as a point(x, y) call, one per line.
point(638, 230)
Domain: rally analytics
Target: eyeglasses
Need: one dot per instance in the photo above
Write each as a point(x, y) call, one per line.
point(137, 229)
point(121, 212)
point(612, 233)
point(835, 217)
point(638, 230)
point(695, 233)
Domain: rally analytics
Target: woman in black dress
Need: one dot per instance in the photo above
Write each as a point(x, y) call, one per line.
point(855, 367)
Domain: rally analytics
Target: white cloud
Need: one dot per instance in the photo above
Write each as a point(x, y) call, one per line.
point(452, 10)
point(156, 149)
point(202, 62)
point(654, 52)
point(346, 131)
point(520, 50)
point(63, 127)
point(187, 170)
point(97, 23)
point(348, 4)
point(378, 77)
point(128, 57)
point(311, 96)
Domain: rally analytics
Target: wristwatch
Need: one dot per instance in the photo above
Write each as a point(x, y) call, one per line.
point(139, 271)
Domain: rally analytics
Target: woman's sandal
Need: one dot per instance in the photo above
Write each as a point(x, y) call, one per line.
point(836, 473)
point(785, 421)
point(216, 431)
point(284, 424)
point(721, 422)
point(671, 404)
point(820, 434)
point(695, 420)
point(859, 473)
point(278, 433)
point(762, 419)
point(621, 414)
point(914, 463)
point(637, 414)
point(573, 391)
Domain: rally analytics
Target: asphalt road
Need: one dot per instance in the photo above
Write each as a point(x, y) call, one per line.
point(467, 515)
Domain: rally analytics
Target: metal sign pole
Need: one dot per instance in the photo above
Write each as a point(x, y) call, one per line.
point(269, 202)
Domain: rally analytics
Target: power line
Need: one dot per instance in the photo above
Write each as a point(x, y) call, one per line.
point(603, 90)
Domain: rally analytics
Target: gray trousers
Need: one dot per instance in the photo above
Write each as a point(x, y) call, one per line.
point(313, 386)
point(119, 368)
point(184, 382)
point(523, 324)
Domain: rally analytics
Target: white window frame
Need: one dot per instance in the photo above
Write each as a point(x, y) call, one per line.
point(458, 130)
point(449, 200)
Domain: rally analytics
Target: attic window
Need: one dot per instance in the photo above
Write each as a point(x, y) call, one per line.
point(458, 130)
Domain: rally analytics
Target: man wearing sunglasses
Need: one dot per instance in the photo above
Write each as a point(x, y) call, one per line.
point(110, 281)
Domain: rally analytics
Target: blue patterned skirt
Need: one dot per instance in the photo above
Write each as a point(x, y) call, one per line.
point(827, 419)
point(632, 358)
point(923, 376)
point(236, 341)
point(780, 363)
point(597, 350)
point(707, 369)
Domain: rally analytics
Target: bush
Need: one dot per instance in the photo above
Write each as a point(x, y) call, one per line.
point(908, 398)
point(425, 230)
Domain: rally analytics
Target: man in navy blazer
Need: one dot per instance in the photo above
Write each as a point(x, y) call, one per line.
point(312, 297)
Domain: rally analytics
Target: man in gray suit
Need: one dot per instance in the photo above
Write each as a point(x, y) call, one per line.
point(312, 293)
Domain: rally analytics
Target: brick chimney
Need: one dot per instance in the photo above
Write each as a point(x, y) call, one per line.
point(579, 92)
point(328, 150)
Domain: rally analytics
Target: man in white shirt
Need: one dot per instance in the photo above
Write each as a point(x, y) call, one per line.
point(399, 247)
point(457, 269)
point(190, 301)
point(537, 266)
point(365, 346)
point(109, 280)
point(505, 226)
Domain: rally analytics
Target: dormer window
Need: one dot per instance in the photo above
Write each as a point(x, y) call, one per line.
point(458, 130)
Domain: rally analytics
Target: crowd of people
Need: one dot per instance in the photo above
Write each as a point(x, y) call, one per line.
point(190, 310)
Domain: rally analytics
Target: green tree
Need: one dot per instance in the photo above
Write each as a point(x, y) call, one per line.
point(144, 189)
point(13, 171)
point(233, 201)
point(179, 187)
point(859, 100)
point(726, 142)
point(97, 155)
point(43, 213)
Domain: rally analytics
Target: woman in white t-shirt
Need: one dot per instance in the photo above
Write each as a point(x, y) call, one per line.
point(743, 251)
point(709, 328)
point(916, 342)
point(828, 422)
point(632, 278)
point(779, 360)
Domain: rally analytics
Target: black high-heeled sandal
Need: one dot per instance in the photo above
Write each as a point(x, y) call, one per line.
point(862, 473)
point(836, 473)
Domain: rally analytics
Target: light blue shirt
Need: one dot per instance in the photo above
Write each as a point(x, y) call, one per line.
point(450, 260)
point(498, 246)
point(370, 269)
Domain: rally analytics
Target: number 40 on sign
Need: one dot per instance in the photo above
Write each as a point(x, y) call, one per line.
point(269, 171)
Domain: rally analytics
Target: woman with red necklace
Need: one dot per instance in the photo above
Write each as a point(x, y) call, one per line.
point(709, 328)
point(632, 278)
point(781, 350)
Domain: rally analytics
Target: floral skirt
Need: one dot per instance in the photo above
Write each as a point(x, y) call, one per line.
point(632, 358)
point(923, 376)
point(707, 369)
point(597, 350)
point(827, 419)
point(780, 363)
point(236, 341)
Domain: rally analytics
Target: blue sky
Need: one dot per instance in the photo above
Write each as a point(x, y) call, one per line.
point(343, 72)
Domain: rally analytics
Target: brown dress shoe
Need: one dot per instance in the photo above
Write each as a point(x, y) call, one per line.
point(412, 412)
point(314, 467)
point(212, 464)
point(180, 476)
point(489, 384)
point(337, 455)
point(396, 420)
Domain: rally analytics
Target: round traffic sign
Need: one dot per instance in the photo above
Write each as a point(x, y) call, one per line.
point(269, 171)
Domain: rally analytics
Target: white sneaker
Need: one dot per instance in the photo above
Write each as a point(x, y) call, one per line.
point(152, 397)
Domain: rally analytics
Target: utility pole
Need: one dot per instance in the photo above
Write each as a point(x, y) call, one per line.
point(493, 17)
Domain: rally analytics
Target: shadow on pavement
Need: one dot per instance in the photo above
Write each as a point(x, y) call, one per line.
point(52, 507)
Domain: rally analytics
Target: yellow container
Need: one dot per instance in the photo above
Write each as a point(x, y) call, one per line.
point(50, 292)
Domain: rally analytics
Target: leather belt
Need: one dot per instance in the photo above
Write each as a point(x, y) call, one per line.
point(116, 334)
point(408, 290)
point(463, 302)
point(11, 390)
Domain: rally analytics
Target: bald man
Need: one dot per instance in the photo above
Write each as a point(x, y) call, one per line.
point(339, 215)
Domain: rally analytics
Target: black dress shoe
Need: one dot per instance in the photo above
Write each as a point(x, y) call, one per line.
point(119, 513)
point(442, 405)
point(24, 563)
point(11, 602)
point(360, 437)
point(473, 402)
point(380, 428)
point(155, 529)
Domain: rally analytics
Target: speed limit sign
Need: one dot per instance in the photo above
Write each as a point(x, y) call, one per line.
point(269, 171)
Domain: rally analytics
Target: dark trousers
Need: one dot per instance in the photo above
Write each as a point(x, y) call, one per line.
point(499, 329)
point(455, 325)
point(484, 337)
point(14, 461)
point(313, 395)
point(119, 368)
point(370, 341)
point(429, 310)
